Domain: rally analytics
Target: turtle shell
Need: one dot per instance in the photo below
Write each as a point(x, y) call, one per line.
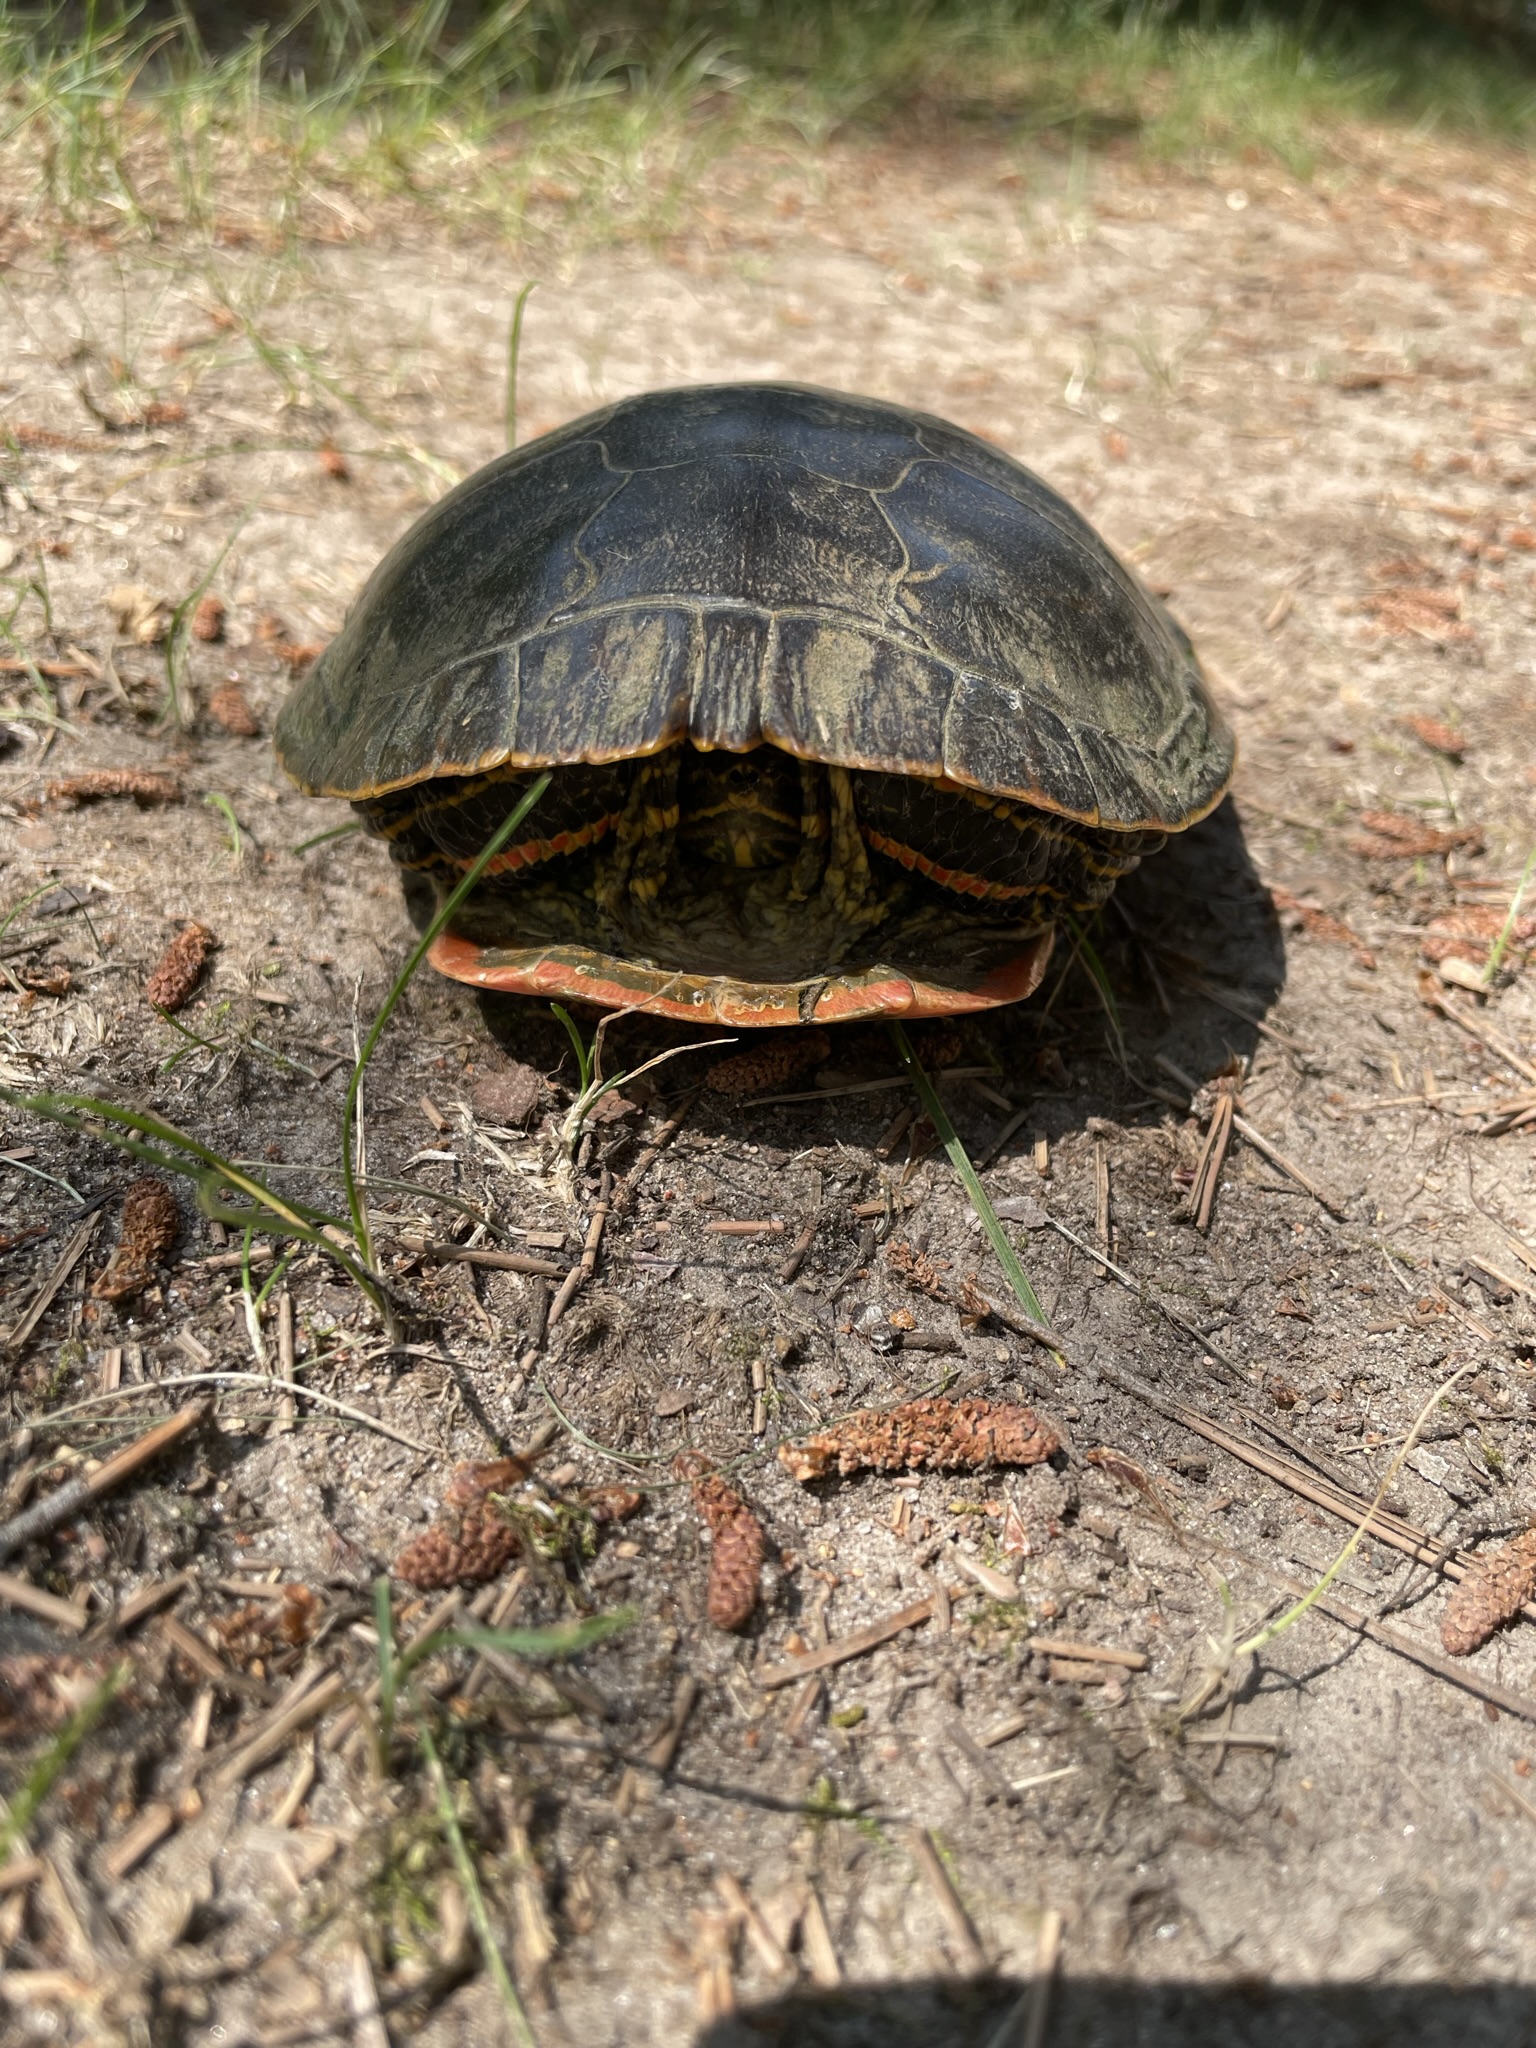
point(764, 566)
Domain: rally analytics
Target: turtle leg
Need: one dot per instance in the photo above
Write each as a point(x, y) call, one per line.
point(811, 861)
point(637, 865)
point(848, 881)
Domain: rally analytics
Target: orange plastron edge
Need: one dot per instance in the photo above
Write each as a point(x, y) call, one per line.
point(584, 975)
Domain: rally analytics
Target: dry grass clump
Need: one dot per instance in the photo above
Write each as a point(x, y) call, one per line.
point(513, 116)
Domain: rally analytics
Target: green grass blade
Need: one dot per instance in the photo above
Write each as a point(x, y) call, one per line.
point(514, 351)
point(583, 1054)
point(320, 838)
point(537, 1645)
point(215, 800)
point(959, 1158)
point(40, 1780)
point(1501, 943)
point(1098, 975)
point(390, 1670)
point(474, 1896)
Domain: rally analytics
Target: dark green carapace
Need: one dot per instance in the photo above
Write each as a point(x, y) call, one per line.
point(840, 700)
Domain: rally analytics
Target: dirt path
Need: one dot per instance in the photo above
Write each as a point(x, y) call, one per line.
point(1303, 411)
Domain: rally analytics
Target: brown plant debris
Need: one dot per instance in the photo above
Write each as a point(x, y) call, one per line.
point(138, 613)
point(928, 1435)
point(1468, 932)
point(255, 1631)
point(1394, 837)
point(40, 1690)
point(1322, 924)
point(297, 655)
point(230, 708)
point(472, 1539)
point(208, 619)
point(1491, 1595)
point(46, 981)
point(737, 1542)
point(178, 970)
point(99, 785)
point(1225, 1101)
point(1440, 739)
point(149, 1226)
point(922, 1273)
point(770, 1065)
point(610, 1503)
point(1422, 613)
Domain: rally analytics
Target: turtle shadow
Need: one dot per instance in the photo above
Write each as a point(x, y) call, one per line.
point(1109, 2012)
point(1174, 977)
point(1192, 958)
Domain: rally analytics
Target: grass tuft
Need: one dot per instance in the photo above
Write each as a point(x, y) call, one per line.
point(508, 112)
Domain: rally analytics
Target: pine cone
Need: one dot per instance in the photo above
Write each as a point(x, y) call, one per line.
point(1492, 1593)
point(770, 1065)
point(229, 708)
point(180, 968)
point(97, 784)
point(472, 1539)
point(149, 1226)
point(932, 1435)
point(208, 619)
point(737, 1543)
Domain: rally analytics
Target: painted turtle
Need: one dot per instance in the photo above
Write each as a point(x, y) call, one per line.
point(844, 707)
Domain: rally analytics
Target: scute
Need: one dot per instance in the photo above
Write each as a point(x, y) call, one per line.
point(859, 584)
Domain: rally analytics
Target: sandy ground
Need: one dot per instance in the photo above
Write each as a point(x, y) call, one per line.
point(1302, 410)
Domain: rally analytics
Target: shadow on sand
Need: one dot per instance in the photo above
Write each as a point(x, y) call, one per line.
point(1098, 2012)
point(1189, 946)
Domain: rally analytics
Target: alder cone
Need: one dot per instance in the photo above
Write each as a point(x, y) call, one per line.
point(150, 1223)
point(930, 1435)
point(1492, 1593)
point(230, 708)
point(99, 785)
point(786, 1054)
point(472, 1539)
point(180, 968)
point(737, 1543)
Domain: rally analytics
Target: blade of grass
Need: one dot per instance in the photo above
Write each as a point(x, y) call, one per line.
point(1294, 1614)
point(514, 350)
point(402, 981)
point(1097, 974)
point(538, 1645)
point(40, 1780)
point(336, 832)
point(389, 1671)
point(170, 1150)
point(1501, 943)
point(215, 800)
point(959, 1158)
point(583, 1056)
point(474, 1896)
